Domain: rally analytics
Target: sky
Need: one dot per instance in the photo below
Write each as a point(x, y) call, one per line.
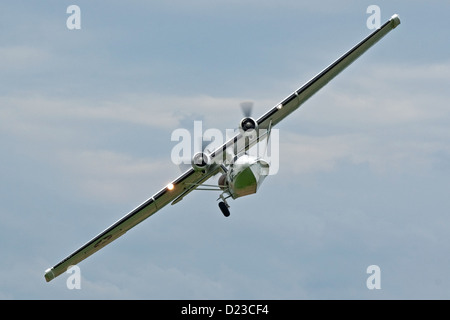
point(86, 117)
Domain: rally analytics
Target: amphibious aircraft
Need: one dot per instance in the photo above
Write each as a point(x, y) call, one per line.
point(242, 174)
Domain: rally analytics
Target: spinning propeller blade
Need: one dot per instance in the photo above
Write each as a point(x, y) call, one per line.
point(246, 108)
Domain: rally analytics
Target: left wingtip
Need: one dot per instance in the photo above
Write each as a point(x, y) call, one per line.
point(395, 20)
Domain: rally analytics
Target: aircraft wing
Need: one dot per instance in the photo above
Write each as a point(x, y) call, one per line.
point(298, 97)
point(175, 190)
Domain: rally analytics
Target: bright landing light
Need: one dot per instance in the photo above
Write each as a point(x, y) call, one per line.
point(170, 186)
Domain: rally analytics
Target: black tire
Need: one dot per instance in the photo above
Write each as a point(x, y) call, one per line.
point(223, 207)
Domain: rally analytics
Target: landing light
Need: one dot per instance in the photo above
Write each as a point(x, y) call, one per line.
point(170, 186)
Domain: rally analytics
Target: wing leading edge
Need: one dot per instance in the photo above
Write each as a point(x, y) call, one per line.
point(189, 180)
point(298, 97)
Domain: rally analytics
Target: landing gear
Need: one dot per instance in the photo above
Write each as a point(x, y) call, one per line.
point(224, 208)
point(223, 205)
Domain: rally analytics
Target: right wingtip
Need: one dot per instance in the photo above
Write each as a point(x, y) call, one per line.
point(49, 275)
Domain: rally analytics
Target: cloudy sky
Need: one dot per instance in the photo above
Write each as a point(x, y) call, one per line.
point(86, 118)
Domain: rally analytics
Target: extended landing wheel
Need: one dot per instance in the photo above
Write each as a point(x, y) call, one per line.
point(224, 208)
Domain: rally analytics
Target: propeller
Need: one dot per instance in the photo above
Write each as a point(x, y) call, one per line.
point(246, 107)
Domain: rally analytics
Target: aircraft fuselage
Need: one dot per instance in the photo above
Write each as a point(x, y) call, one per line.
point(246, 175)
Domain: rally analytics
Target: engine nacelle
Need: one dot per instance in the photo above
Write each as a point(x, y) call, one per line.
point(247, 125)
point(201, 161)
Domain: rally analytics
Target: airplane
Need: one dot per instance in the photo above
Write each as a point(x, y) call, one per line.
point(241, 175)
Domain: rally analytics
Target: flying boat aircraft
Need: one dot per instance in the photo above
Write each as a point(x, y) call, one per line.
point(241, 175)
